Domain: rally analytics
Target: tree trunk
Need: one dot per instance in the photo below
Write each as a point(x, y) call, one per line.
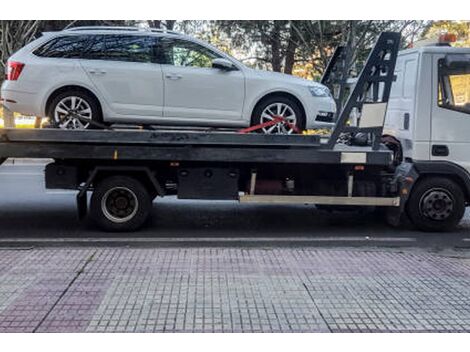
point(290, 52)
point(170, 24)
point(37, 122)
point(8, 118)
point(276, 47)
point(349, 48)
point(156, 24)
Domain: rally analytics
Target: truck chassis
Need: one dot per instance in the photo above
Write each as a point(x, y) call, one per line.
point(127, 170)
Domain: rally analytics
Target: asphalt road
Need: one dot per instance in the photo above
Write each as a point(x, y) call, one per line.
point(30, 215)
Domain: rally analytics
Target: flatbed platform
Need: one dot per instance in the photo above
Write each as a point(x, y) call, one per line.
point(181, 146)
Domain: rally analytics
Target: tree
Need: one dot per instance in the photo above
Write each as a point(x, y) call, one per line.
point(165, 24)
point(270, 44)
point(460, 28)
point(15, 34)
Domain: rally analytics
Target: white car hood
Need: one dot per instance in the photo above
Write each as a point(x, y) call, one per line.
point(282, 77)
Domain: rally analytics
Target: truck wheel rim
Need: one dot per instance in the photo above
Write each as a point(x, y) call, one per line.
point(72, 113)
point(436, 204)
point(119, 204)
point(278, 110)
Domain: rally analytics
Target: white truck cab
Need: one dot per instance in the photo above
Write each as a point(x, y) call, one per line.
point(429, 106)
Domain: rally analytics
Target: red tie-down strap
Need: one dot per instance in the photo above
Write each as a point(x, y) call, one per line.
point(274, 121)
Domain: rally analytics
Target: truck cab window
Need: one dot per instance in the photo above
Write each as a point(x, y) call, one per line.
point(454, 85)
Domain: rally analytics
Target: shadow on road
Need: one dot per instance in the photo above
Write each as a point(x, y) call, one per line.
point(28, 211)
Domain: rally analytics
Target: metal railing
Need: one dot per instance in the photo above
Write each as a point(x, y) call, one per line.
point(120, 28)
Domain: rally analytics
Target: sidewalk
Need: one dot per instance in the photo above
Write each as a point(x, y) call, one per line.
point(232, 290)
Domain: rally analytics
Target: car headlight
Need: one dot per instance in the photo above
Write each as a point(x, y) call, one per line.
point(319, 91)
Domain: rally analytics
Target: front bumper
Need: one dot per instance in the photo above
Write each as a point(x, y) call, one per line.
point(321, 113)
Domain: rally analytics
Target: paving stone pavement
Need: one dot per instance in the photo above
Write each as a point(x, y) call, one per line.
point(232, 290)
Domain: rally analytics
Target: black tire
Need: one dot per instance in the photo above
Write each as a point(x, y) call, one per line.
point(128, 216)
point(436, 204)
point(258, 110)
point(97, 115)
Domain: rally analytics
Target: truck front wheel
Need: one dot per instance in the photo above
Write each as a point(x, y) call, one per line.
point(120, 203)
point(436, 204)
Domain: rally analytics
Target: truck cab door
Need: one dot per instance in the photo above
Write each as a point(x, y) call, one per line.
point(450, 120)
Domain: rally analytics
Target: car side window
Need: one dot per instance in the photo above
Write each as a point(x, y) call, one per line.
point(70, 47)
point(128, 48)
point(454, 85)
point(184, 53)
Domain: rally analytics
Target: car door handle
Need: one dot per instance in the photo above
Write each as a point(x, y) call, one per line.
point(173, 76)
point(95, 71)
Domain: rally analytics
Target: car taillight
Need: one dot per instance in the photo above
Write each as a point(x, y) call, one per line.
point(13, 70)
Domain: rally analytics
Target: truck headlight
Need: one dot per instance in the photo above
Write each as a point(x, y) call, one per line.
point(319, 91)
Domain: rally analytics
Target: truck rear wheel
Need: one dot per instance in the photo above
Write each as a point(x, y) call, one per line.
point(120, 203)
point(436, 204)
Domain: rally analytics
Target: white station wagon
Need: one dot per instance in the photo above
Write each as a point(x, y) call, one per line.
point(132, 76)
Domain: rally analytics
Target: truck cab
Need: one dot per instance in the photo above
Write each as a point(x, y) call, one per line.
point(429, 105)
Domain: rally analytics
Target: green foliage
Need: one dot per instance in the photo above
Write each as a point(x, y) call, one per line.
point(460, 28)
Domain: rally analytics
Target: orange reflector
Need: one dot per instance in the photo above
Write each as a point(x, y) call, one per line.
point(404, 191)
point(359, 167)
point(447, 38)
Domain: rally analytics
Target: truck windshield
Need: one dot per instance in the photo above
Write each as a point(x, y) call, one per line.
point(454, 86)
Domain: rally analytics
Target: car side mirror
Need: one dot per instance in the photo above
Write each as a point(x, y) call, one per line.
point(223, 64)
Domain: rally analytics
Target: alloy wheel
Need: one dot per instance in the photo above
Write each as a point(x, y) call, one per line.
point(73, 113)
point(278, 110)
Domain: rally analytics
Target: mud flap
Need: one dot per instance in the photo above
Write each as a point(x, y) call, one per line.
point(82, 206)
point(404, 179)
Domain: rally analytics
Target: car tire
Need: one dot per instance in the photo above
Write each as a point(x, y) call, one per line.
point(436, 204)
point(87, 101)
point(120, 203)
point(284, 101)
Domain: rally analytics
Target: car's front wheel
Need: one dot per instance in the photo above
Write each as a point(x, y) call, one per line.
point(278, 106)
point(436, 204)
point(74, 110)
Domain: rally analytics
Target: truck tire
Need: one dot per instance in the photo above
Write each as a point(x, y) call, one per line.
point(120, 203)
point(436, 204)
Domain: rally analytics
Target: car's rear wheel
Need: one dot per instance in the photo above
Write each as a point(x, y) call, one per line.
point(75, 110)
point(278, 106)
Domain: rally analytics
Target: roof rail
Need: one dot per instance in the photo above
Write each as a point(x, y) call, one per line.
point(158, 30)
point(120, 28)
point(102, 28)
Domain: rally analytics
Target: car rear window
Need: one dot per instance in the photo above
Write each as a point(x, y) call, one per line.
point(70, 47)
point(129, 48)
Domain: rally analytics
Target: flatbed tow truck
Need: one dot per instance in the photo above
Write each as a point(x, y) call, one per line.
point(126, 170)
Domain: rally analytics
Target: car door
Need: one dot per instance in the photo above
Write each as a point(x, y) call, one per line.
point(124, 71)
point(196, 90)
point(450, 136)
